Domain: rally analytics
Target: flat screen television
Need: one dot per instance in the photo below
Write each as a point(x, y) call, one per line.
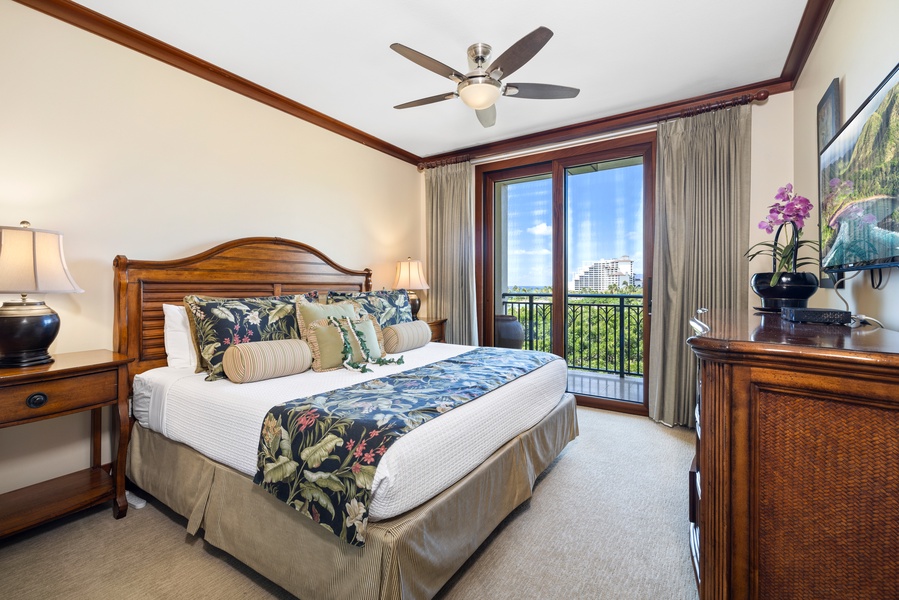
point(859, 186)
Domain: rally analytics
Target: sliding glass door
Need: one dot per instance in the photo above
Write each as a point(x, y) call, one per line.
point(604, 279)
point(523, 269)
point(570, 267)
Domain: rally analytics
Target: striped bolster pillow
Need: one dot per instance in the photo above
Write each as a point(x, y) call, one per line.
point(255, 361)
point(406, 336)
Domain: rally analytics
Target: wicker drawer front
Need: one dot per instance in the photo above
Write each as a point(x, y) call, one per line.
point(30, 400)
point(828, 497)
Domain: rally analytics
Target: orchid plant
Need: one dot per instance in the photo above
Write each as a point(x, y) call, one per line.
point(790, 211)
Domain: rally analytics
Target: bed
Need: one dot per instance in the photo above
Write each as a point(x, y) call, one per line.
point(409, 555)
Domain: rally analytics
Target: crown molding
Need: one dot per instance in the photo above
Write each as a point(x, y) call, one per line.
point(810, 25)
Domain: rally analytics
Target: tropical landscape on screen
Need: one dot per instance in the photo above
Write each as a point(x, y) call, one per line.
point(859, 184)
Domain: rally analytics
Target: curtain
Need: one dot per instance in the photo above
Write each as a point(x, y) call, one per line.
point(449, 212)
point(701, 233)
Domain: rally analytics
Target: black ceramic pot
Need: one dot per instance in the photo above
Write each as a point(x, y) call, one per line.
point(508, 332)
point(792, 289)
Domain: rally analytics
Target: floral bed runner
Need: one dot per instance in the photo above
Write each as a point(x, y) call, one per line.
point(319, 454)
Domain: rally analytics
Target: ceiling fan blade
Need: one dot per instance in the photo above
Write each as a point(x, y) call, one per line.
point(519, 53)
point(428, 63)
point(428, 100)
point(540, 91)
point(487, 116)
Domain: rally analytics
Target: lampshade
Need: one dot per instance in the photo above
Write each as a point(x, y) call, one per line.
point(409, 276)
point(479, 92)
point(31, 262)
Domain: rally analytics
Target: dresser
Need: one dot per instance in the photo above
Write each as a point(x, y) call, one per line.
point(794, 491)
point(74, 382)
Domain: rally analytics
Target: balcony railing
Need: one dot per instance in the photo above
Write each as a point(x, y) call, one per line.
point(605, 331)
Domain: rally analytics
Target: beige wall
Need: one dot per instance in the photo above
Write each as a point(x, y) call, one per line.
point(859, 45)
point(772, 168)
point(126, 155)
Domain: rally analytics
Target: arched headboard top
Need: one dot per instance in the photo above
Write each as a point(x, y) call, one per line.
point(256, 266)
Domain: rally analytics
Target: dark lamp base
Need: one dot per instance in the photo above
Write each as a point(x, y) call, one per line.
point(414, 304)
point(26, 331)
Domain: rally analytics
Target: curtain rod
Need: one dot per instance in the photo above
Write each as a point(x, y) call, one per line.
point(759, 96)
point(443, 162)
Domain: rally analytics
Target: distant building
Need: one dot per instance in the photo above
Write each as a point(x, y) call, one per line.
point(605, 272)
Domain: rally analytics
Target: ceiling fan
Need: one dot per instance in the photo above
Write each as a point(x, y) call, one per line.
point(482, 86)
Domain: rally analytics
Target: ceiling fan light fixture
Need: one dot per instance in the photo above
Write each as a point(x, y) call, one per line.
point(482, 86)
point(480, 92)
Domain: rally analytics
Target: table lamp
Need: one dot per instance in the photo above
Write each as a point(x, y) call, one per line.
point(31, 262)
point(409, 277)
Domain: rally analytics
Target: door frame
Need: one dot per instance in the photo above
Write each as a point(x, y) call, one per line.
point(555, 162)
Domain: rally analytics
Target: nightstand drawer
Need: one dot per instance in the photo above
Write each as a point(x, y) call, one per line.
point(31, 400)
point(438, 328)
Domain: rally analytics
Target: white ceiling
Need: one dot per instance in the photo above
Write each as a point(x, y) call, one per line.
point(335, 57)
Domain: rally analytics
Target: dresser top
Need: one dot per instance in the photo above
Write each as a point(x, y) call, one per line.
point(767, 336)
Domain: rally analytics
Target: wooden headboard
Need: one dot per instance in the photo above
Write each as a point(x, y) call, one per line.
point(258, 266)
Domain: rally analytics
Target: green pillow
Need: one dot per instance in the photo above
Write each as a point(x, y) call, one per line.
point(326, 340)
point(310, 312)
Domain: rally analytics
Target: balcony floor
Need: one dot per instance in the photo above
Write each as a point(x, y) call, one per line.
point(606, 385)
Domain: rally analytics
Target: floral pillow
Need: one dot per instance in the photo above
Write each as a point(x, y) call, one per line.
point(217, 323)
point(389, 307)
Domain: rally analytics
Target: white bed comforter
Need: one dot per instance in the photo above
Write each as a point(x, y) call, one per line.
point(222, 420)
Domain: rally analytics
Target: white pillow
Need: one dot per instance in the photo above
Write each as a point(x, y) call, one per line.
point(179, 349)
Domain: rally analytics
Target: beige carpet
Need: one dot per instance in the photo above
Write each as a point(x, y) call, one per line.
point(608, 520)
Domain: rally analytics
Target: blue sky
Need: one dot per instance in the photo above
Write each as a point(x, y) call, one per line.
point(605, 215)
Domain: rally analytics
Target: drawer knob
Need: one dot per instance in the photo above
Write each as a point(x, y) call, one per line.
point(36, 400)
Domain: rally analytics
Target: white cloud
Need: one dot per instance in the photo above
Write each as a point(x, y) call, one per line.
point(541, 251)
point(541, 229)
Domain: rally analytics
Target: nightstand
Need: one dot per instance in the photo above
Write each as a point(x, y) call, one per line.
point(74, 382)
point(438, 328)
